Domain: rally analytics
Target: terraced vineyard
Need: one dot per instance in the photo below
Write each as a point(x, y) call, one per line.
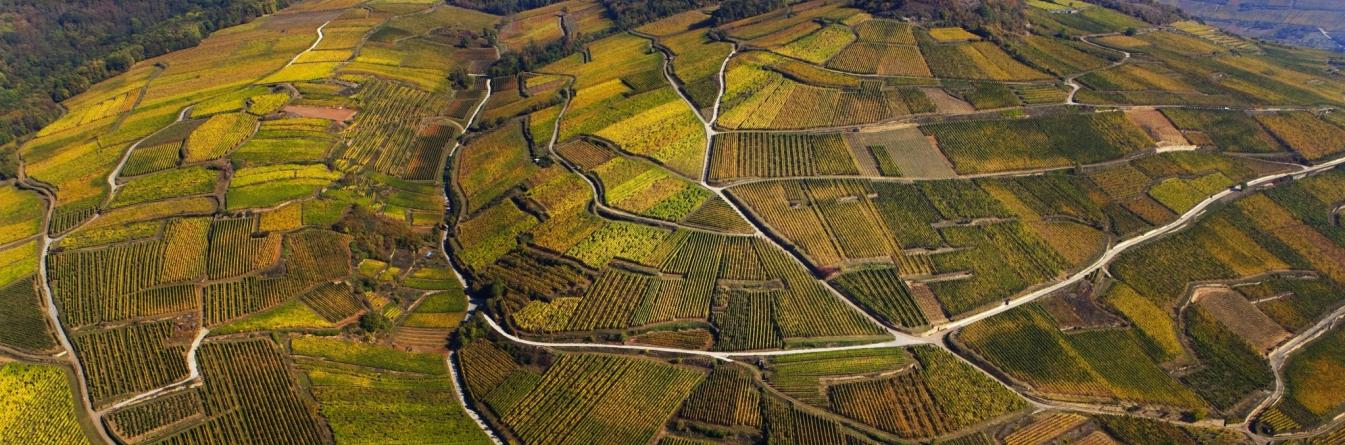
point(579, 222)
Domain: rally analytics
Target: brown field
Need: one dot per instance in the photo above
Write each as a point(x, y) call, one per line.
point(1241, 317)
point(330, 113)
point(1096, 438)
point(422, 339)
point(946, 103)
point(1157, 126)
point(914, 154)
point(699, 339)
point(1078, 310)
point(928, 303)
point(863, 159)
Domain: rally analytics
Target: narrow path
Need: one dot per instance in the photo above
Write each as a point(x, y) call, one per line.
point(1112, 252)
point(1072, 81)
point(113, 186)
point(937, 334)
point(306, 50)
point(709, 125)
point(899, 338)
point(192, 379)
point(451, 358)
point(49, 300)
point(724, 356)
point(451, 361)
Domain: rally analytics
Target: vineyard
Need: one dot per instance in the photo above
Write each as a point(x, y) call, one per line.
point(1228, 130)
point(246, 394)
point(218, 136)
point(977, 61)
point(1074, 365)
point(680, 224)
point(1312, 376)
point(767, 155)
point(883, 292)
point(131, 359)
point(368, 405)
point(23, 325)
point(386, 135)
point(728, 396)
point(759, 96)
point(1303, 133)
point(39, 406)
point(1055, 141)
point(610, 403)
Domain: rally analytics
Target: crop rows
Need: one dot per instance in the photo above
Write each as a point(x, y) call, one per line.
point(505, 396)
point(39, 407)
point(990, 146)
point(385, 136)
point(186, 242)
point(130, 359)
point(334, 302)
point(1040, 93)
point(484, 367)
point(529, 271)
point(218, 136)
point(829, 220)
point(789, 425)
point(587, 398)
point(611, 299)
point(1045, 429)
point(717, 214)
point(87, 283)
point(764, 155)
point(152, 159)
point(364, 405)
point(23, 324)
point(902, 405)
point(729, 396)
point(248, 398)
point(976, 60)
point(748, 321)
point(966, 395)
point(1305, 133)
point(802, 375)
point(313, 256)
point(226, 301)
point(881, 59)
point(234, 251)
point(137, 420)
point(882, 291)
point(1233, 131)
point(684, 339)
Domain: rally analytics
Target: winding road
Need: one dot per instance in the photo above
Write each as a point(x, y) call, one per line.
point(306, 50)
point(1277, 359)
point(937, 334)
point(450, 359)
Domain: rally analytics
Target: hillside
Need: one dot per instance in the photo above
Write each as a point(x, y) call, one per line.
point(1315, 24)
point(52, 51)
point(675, 223)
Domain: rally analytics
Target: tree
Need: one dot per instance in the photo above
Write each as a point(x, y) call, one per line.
point(373, 322)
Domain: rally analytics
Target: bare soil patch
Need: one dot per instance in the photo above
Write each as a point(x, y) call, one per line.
point(915, 155)
point(1077, 309)
point(1241, 317)
point(1157, 126)
point(329, 113)
point(928, 304)
point(946, 103)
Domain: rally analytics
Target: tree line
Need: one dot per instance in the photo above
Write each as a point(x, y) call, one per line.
point(51, 51)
